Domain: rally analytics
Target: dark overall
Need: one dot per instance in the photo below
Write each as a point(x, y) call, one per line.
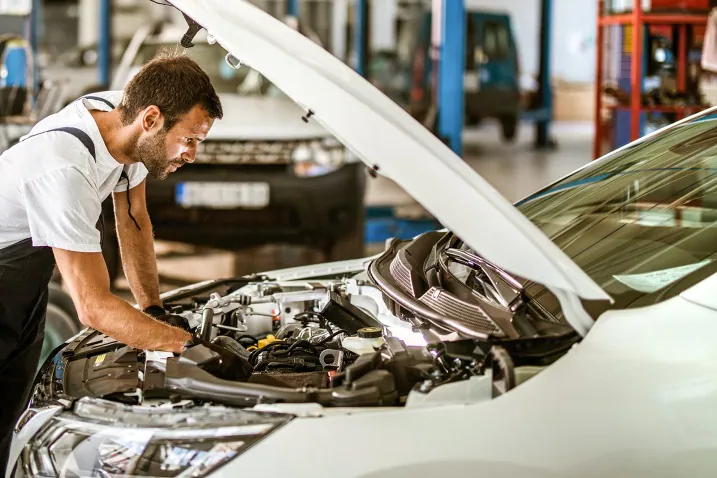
point(25, 273)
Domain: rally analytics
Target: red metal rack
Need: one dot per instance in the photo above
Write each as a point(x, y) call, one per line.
point(637, 19)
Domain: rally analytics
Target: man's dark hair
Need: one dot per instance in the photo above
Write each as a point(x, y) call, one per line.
point(175, 84)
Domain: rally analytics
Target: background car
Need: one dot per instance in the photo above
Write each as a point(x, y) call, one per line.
point(264, 175)
point(491, 79)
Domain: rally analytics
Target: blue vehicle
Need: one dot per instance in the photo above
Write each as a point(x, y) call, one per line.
point(491, 75)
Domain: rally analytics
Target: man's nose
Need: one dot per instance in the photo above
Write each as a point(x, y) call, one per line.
point(190, 155)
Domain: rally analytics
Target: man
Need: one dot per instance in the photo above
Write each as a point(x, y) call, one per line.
point(52, 184)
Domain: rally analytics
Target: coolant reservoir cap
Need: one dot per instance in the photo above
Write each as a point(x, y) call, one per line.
point(370, 332)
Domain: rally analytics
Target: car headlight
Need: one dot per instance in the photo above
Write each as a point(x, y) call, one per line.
point(106, 439)
point(318, 157)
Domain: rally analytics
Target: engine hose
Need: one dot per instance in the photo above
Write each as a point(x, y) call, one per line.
point(207, 322)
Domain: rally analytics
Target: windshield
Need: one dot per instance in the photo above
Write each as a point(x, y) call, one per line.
point(244, 81)
point(642, 222)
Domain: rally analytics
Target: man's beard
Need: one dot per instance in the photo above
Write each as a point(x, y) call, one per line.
point(152, 153)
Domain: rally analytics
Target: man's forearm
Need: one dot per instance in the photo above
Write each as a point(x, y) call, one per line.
point(139, 261)
point(116, 318)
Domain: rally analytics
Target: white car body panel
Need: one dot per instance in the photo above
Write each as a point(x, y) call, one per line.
point(318, 270)
point(386, 137)
point(613, 406)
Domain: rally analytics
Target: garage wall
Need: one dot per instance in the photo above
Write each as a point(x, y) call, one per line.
point(573, 35)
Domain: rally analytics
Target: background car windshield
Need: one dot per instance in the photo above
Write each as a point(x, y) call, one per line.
point(642, 220)
point(244, 81)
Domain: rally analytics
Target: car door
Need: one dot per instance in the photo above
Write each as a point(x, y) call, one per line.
point(494, 59)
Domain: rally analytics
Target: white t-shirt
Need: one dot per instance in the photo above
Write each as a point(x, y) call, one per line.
point(51, 189)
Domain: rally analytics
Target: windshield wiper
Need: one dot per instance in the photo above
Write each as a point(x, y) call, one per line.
point(489, 269)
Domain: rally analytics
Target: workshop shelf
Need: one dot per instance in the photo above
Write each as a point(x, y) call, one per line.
point(626, 60)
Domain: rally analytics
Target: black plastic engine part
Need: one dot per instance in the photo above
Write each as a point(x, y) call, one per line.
point(188, 380)
point(408, 365)
point(90, 342)
point(363, 365)
point(153, 386)
point(103, 375)
point(376, 388)
point(346, 316)
point(232, 345)
point(539, 351)
point(503, 371)
point(292, 379)
point(230, 365)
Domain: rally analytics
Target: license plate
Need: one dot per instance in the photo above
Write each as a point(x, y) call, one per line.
point(470, 82)
point(218, 195)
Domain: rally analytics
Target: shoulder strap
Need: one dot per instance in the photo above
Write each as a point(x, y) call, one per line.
point(99, 98)
point(87, 142)
point(77, 133)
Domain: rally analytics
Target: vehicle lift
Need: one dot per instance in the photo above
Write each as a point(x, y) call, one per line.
point(104, 43)
point(448, 45)
point(448, 49)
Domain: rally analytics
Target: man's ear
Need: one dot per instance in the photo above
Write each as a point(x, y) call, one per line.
point(151, 119)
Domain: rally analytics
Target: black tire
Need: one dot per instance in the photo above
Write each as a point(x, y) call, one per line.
point(61, 321)
point(509, 128)
point(473, 120)
point(62, 300)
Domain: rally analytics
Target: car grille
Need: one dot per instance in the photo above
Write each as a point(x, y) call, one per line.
point(247, 152)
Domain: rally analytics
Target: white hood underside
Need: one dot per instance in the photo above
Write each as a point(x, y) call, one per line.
point(389, 140)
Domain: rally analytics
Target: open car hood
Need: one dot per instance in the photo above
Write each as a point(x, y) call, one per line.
point(393, 144)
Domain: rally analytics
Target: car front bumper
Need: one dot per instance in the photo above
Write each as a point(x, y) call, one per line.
point(312, 210)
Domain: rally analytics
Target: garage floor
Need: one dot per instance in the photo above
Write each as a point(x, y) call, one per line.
point(514, 170)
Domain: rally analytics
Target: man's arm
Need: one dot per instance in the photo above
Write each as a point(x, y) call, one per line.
point(85, 274)
point(137, 246)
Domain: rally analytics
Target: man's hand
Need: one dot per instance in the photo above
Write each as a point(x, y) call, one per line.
point(137, 245)
point(162, 315)
point(86, 276)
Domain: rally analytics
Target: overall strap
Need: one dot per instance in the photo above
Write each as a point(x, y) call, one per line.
point(77, 133)
point(99, 98)
point(90, 145)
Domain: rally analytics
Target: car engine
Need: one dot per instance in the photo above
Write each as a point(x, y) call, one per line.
point(330, 342)
point(342, 340)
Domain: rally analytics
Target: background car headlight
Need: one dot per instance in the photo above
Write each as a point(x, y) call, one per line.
point(318, 157)
point(105, 439)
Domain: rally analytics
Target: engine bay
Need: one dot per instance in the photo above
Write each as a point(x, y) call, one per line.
point(363, 339)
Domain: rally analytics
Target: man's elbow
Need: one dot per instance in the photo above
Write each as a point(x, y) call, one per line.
point(87, 316)
point(90, 311)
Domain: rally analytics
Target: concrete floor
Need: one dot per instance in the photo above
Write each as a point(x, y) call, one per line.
point(515, 170)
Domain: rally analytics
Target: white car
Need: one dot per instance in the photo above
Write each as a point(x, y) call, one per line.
point(572, 334)
point(264, 174)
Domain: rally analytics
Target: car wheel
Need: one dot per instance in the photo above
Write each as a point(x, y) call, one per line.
point(509, 127)
point(473, 120)
point(349, 245)
point(62, 299)
point(59, 327)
